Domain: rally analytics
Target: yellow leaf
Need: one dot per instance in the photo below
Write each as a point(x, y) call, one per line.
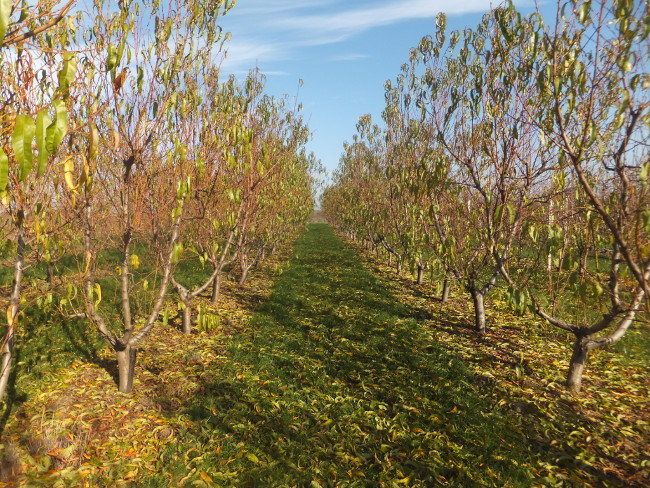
point(68, 170)
point(98, 292)
point(116, 139)
point(93, 141)
point(10, 315)
point(130, 475)
point(252, 457)
point(204, 476)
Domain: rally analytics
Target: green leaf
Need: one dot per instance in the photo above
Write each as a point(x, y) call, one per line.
point(645, 215)
point(56, 130)
point(43, 120)
point(643, 174)
point(593, 132)
point(21, 141)
point(140, 79)
point(252, 457)
point(4, 170)
point(497, 214)
point(583, 12)
point(178, 250)
point(111, 60)
point(5, 10)
point(532, 231)
point(68, 72)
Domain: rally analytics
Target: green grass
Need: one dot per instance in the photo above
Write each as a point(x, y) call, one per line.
point(337, 385)
point(334, 382)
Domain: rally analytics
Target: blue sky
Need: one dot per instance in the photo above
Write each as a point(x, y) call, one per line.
point(344, 51)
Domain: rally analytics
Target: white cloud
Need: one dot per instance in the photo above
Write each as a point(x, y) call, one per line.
point(266, 31)
point(244, 53)
point(352, 21)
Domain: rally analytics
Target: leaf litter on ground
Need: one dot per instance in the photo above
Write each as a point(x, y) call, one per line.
point(342, 374)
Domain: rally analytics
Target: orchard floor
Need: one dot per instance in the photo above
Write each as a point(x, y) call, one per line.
point(335, 382)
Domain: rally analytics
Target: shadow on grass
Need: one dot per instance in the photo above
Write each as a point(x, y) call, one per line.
point(49, 342)
point(338, 385)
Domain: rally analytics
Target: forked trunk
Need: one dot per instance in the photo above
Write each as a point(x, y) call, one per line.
point(445, 290)
point(577, 365)
point(126, 368)
point(187, 318)
point(479, 310)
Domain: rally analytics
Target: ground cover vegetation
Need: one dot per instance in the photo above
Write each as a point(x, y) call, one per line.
point(340, 374)
point(120, 147)
point(514, 156)
point(143, 199)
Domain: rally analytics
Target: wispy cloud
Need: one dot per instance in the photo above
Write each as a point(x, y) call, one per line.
point(352, 21)
point(264, 32)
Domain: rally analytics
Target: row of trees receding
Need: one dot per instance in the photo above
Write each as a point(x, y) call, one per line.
point(118, 135)
point(516, 155)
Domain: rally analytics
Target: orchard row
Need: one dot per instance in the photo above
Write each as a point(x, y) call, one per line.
point(515, 156)
point(117, 134)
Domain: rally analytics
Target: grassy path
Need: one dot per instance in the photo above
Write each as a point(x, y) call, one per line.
point(337, 385)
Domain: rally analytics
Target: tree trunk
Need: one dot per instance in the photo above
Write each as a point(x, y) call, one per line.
point(390, 258)
point(584, 254)
point(399, 266)
point(577, 365)
point(126, 368)
point(50, 274)
point(216, 288)
point(187, 318)
point(445, 290)
point(7, 359)
point(420, 274)
point(244, 275)
point(479, 310)
point(549, 255)
point(14, 305)
point(243, 263)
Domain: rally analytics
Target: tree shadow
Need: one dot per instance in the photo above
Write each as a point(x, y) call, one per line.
point(336, 382)
point(85, 349)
